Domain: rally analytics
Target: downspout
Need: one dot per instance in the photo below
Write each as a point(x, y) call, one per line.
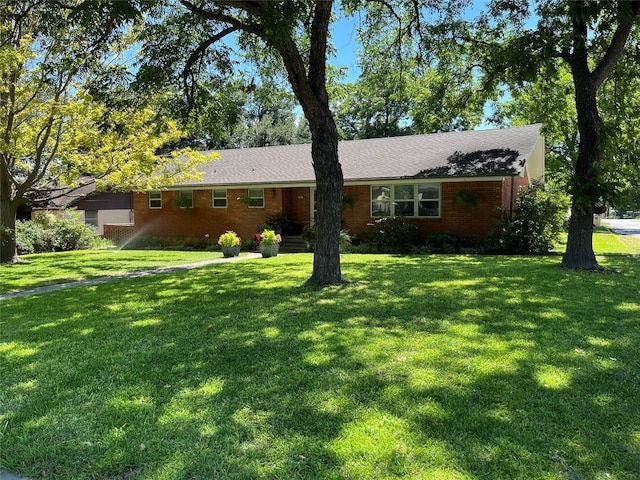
point(131, 217)
point(511, 199)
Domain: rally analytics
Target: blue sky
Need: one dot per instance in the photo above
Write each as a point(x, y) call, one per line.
point(344, 38)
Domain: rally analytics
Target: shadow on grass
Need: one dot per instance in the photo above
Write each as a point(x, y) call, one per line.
point(426, 366)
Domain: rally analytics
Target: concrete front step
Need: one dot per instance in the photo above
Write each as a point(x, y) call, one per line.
point(293, 244)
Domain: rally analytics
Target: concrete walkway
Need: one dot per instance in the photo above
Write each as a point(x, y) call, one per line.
point(10, 476)
point(145, 273)
point(623, 226)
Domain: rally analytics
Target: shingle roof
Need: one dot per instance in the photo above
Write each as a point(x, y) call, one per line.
point(476, 153)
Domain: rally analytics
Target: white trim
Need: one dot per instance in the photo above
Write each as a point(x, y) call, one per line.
point(213, 198)
point(348, 183)
point(313, 191)
point(149, 196)
point(392, 201)
point(184, 190)
point(256, 198)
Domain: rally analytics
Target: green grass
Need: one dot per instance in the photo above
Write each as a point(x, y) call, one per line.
point(441, 367)
point(52, 268)
point(606, 243)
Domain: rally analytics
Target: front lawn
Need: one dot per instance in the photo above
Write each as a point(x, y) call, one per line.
point(607, 243)
point(52, 268)
point(442, 367)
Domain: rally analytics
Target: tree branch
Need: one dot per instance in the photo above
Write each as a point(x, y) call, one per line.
point(249, 7)
point(195, 55)
point(618, 42)
point(318, 56)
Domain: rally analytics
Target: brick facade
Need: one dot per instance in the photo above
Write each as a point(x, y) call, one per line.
point(203, 220)
point(470, 222)
point(510, 188)
point(119, 233)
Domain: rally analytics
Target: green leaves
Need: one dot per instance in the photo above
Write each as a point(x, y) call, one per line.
point(52, 130)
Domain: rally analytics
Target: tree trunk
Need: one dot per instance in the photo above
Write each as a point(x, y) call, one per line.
point(329, 183)
point(8, 251)
point(579, 253)
point(310, 88)
point(586, 188)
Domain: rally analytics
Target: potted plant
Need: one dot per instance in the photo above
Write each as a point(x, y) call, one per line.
point(467, 197)
point(269, 242)
point(230, 244)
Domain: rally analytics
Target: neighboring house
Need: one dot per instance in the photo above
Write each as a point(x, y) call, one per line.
point(446, 182)
point(95, 208)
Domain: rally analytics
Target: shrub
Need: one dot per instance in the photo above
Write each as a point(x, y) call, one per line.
point(200, 243)
point(147, 242)
point(278, 223)
point(101, 242)
point(249, 245)
point(309, 236)
point(539, 217)
point(49, 233)
point(444, 242)
point(29, 235)
point(229, 239)
point(392, 235)
point(144, 242)
point(269, 237)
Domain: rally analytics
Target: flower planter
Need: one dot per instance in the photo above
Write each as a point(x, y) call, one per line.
point(231, 251)
point(269, 250)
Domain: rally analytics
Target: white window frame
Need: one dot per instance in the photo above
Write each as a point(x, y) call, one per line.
point(182, 195)
point(214, 198)
point(392, 200)
point(438, 200)
point(255, 198)
point(151, 199)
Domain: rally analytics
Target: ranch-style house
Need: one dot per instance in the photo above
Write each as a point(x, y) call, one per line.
point(445, 182)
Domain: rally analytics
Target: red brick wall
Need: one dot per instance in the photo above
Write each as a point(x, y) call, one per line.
point(294, 203)
point(472, 222)
point(509, 194)
point(297, 204)
point(355, 218)
point(203, 219)
point(118, 233)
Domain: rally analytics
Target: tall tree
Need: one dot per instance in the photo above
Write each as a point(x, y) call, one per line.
point(415, 76)
point(257, 115)
point(376, 105)
point(51, 130)
point(294, 34)
point(297, 34)
point(585, 38)
point(268, 118)
point(551, 101)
